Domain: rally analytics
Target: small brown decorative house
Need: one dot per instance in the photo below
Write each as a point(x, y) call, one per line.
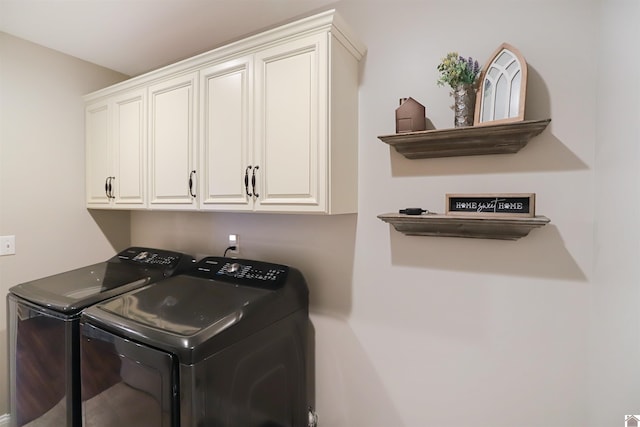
point(410, 116)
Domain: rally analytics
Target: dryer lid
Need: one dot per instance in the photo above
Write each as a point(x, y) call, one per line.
point(74, 290)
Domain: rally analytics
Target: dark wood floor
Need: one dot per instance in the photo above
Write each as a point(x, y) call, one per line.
point(41, 376)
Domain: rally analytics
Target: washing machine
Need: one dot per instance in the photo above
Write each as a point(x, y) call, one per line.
point(223, 345)
point(44, 330)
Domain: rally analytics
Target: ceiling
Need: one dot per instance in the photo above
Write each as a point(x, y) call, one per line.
point(136, 36)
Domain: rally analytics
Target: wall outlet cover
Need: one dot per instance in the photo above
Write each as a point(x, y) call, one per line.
point(7, 245)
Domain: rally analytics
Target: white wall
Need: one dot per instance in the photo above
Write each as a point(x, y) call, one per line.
point(614, 328)
point(419, 331)
point(42, 170)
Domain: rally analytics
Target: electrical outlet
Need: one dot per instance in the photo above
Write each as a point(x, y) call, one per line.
point(7, 245)
point(234, 241)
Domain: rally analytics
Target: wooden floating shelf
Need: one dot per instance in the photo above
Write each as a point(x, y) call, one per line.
point(503, 228)
point(503, 138)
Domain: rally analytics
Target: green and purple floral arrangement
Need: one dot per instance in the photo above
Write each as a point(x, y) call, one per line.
point(456, 70)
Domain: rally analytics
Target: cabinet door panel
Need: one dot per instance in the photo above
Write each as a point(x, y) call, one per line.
point(130, 149)
point(172, 109)
point(288, 139)
point(98, 156)
point(225, 110)
point(291, 134)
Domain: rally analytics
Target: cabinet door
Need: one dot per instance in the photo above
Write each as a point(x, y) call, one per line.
point(172, 176)
point(129, 149)
point(225, 135)
point(98, 154)
point(291, 120)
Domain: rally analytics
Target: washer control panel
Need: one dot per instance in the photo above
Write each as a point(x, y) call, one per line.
point(242, 272)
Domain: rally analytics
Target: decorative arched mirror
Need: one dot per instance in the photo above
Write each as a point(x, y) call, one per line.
point(503, 86)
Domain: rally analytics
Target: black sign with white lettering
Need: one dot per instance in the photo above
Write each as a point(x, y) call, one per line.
point(491, 204)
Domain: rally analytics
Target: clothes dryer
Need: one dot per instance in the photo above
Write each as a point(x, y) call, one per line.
point(44, 337)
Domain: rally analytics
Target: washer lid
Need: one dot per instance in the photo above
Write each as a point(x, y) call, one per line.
point(219, 302)
point(74, 290)
point(191, 308)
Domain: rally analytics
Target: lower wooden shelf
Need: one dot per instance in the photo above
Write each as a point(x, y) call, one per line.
point(503, 228)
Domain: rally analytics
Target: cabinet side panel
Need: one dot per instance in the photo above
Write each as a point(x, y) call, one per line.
point(343, 144)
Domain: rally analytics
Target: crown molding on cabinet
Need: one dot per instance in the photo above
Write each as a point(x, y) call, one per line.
point(329, 21)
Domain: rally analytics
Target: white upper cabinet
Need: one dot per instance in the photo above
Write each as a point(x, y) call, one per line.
point(268, 124)
point(226, 129)
point(130, 149)
point(291, 143)
point(98, 154)
point(172, 131)
point(116, 151)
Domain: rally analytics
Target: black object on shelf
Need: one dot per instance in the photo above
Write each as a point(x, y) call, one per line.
point(413, 211)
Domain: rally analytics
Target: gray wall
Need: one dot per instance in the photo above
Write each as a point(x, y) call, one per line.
point(412, 331)
point(42, 170)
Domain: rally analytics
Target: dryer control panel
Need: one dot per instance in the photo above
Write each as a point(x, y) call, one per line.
point(157, 258)
point(242, 272)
